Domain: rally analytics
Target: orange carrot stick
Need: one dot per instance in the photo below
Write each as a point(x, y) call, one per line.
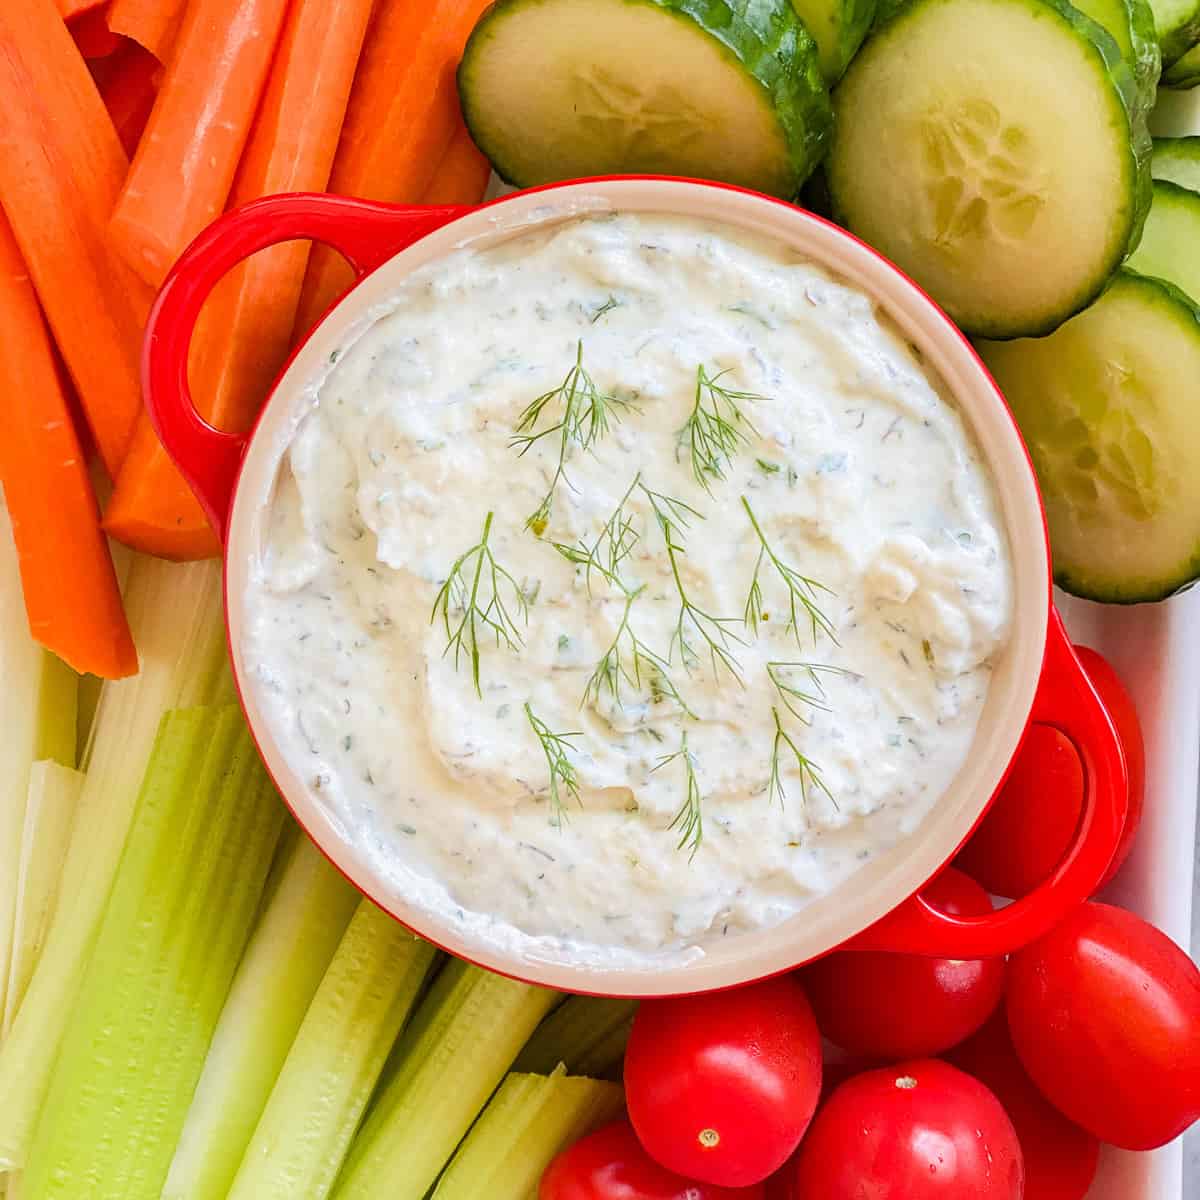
point(92, 34)
point(128, 90)
point(403, 112)
point(72, 8)
point(153, 24)
point(185, 162)
point(245, 331)
point(61, 167)
point(71, 593)
point(462, 175)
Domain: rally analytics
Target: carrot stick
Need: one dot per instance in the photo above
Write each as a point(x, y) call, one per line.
point(61, 167)
point(92, 34)
point(71, 593)
point(403, 112)
point(128, 91)
point(153, 24)
point(245, 330)
point(462, 175)
point(185, 162)
point(72, 8)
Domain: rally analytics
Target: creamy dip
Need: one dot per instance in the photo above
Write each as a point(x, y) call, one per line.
point(630, 443)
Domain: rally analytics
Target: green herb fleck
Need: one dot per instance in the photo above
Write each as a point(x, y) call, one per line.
point(689, 820)
point(716, 427)
point(803, 593)
point(609, 304)
point(555, 746)
point(927, 650)
point(475, 589)
point(767, 468)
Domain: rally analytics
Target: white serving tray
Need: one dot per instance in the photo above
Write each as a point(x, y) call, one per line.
point(1156, 651)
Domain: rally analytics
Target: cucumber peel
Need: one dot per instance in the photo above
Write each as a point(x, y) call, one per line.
point(838, 27)
point(1177, 160)
point(722, 89)
point(1170, 245)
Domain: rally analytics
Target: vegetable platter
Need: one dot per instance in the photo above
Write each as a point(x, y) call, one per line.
point(974, 371)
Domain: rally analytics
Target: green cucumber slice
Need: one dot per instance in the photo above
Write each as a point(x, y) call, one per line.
point(1131, 23)
point(1170, 245)
point(838, 27)
point(1178, 26)
point(948, 157)
point(1184, 73)
point(1177, 160)
point(720, 89)
point(1107, 408)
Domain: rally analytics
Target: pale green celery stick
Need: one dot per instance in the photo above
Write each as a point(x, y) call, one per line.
point(307, 906)
point(37, 704)
point(587, 1034)
point(175, 613)
point(176, 924)
point(461, 1042)
point(526, 1123)
point(53, 797)
point(318, 1101)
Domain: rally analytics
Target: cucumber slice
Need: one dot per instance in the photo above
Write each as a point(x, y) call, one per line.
point(1178, 26)
point(1012, 210)
point(720, 89)
point(1184, 73)
point(1107, 407)
point(838, 27)
point(1170, 245)
point(1131, 23)
point(1177, 160)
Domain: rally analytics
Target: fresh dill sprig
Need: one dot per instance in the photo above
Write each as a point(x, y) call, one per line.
point(586, 413)
point(609, 304)
point(674, 516)
point(555, 746)
point(803, 592)
point(716, 427)
point(689, 820)
point(810, 773)
point(800, 688)
point(475, 587)
point(629, 660)
point(614, 543)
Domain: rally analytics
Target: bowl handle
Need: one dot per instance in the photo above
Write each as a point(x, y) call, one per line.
point(1066, 701)
point(367, 234)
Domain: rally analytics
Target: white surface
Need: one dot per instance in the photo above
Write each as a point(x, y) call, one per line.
point(1156, 651)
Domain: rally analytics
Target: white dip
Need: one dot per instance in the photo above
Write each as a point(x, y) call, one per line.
point(862, 480)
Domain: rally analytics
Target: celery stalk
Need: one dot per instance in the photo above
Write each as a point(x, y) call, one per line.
point(175, 613)
point(37, 703)
point(175, 925)
point(318, 1101)
point(587, 1034)
point(306, 912)
point(461, 1042)
point(526, 1123)
point(53, 796)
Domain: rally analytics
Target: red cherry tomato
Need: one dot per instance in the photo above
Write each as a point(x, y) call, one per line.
point(610, 1164)
point(1120, 706)
point(1060, 1158)
point(1105, 1016)
point(921, 1130)
point(1031, 822)
point(901, 1005)
point(721, 1087)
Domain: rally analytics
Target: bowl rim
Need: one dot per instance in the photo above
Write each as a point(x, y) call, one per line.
point(947, 352)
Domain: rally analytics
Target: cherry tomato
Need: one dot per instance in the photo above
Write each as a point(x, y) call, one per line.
point(721, 1087)
point(610, 1164)
point(1060, 1158)
point(1031, 822)
point(1105, 1016)
point(901, 1005)
point(921, 1130)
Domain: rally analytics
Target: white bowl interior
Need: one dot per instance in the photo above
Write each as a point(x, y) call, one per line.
point(886, 879)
